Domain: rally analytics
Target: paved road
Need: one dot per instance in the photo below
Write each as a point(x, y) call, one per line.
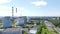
point(50, 25)
point(58, 29)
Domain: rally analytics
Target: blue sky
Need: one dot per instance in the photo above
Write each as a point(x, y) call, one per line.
point(30, 7)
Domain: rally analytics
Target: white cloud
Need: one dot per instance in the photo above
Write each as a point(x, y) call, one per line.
point(39, 3)
point(4, 1)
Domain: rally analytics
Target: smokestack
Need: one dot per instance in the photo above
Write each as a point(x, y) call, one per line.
point(16, 10)
point(12, 11)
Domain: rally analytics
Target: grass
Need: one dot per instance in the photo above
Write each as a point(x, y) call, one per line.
point(1, 26)
point(54, 30)
point(25, 32)
point(45, 31)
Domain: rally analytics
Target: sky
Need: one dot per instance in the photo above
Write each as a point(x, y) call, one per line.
point(30, 7)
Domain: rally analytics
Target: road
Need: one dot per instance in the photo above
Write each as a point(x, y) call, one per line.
point(50, 26)
point(58, 29)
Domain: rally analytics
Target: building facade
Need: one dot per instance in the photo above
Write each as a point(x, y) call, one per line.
point(21, 21)
point(6, 22)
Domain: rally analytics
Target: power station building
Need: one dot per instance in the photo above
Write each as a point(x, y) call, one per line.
point(21, 20)
point(6, 22)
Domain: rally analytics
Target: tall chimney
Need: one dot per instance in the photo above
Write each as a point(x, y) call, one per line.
point(12, 11)
point(16, 10)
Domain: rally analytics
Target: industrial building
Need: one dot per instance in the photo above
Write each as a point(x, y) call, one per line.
point(11, 31)
point(21, 20)
point(6, 22)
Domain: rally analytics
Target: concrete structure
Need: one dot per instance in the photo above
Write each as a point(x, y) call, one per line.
point(1, 30)
point(12, 11)
point(21, 21)
point(11, 31)
point(6, 22)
